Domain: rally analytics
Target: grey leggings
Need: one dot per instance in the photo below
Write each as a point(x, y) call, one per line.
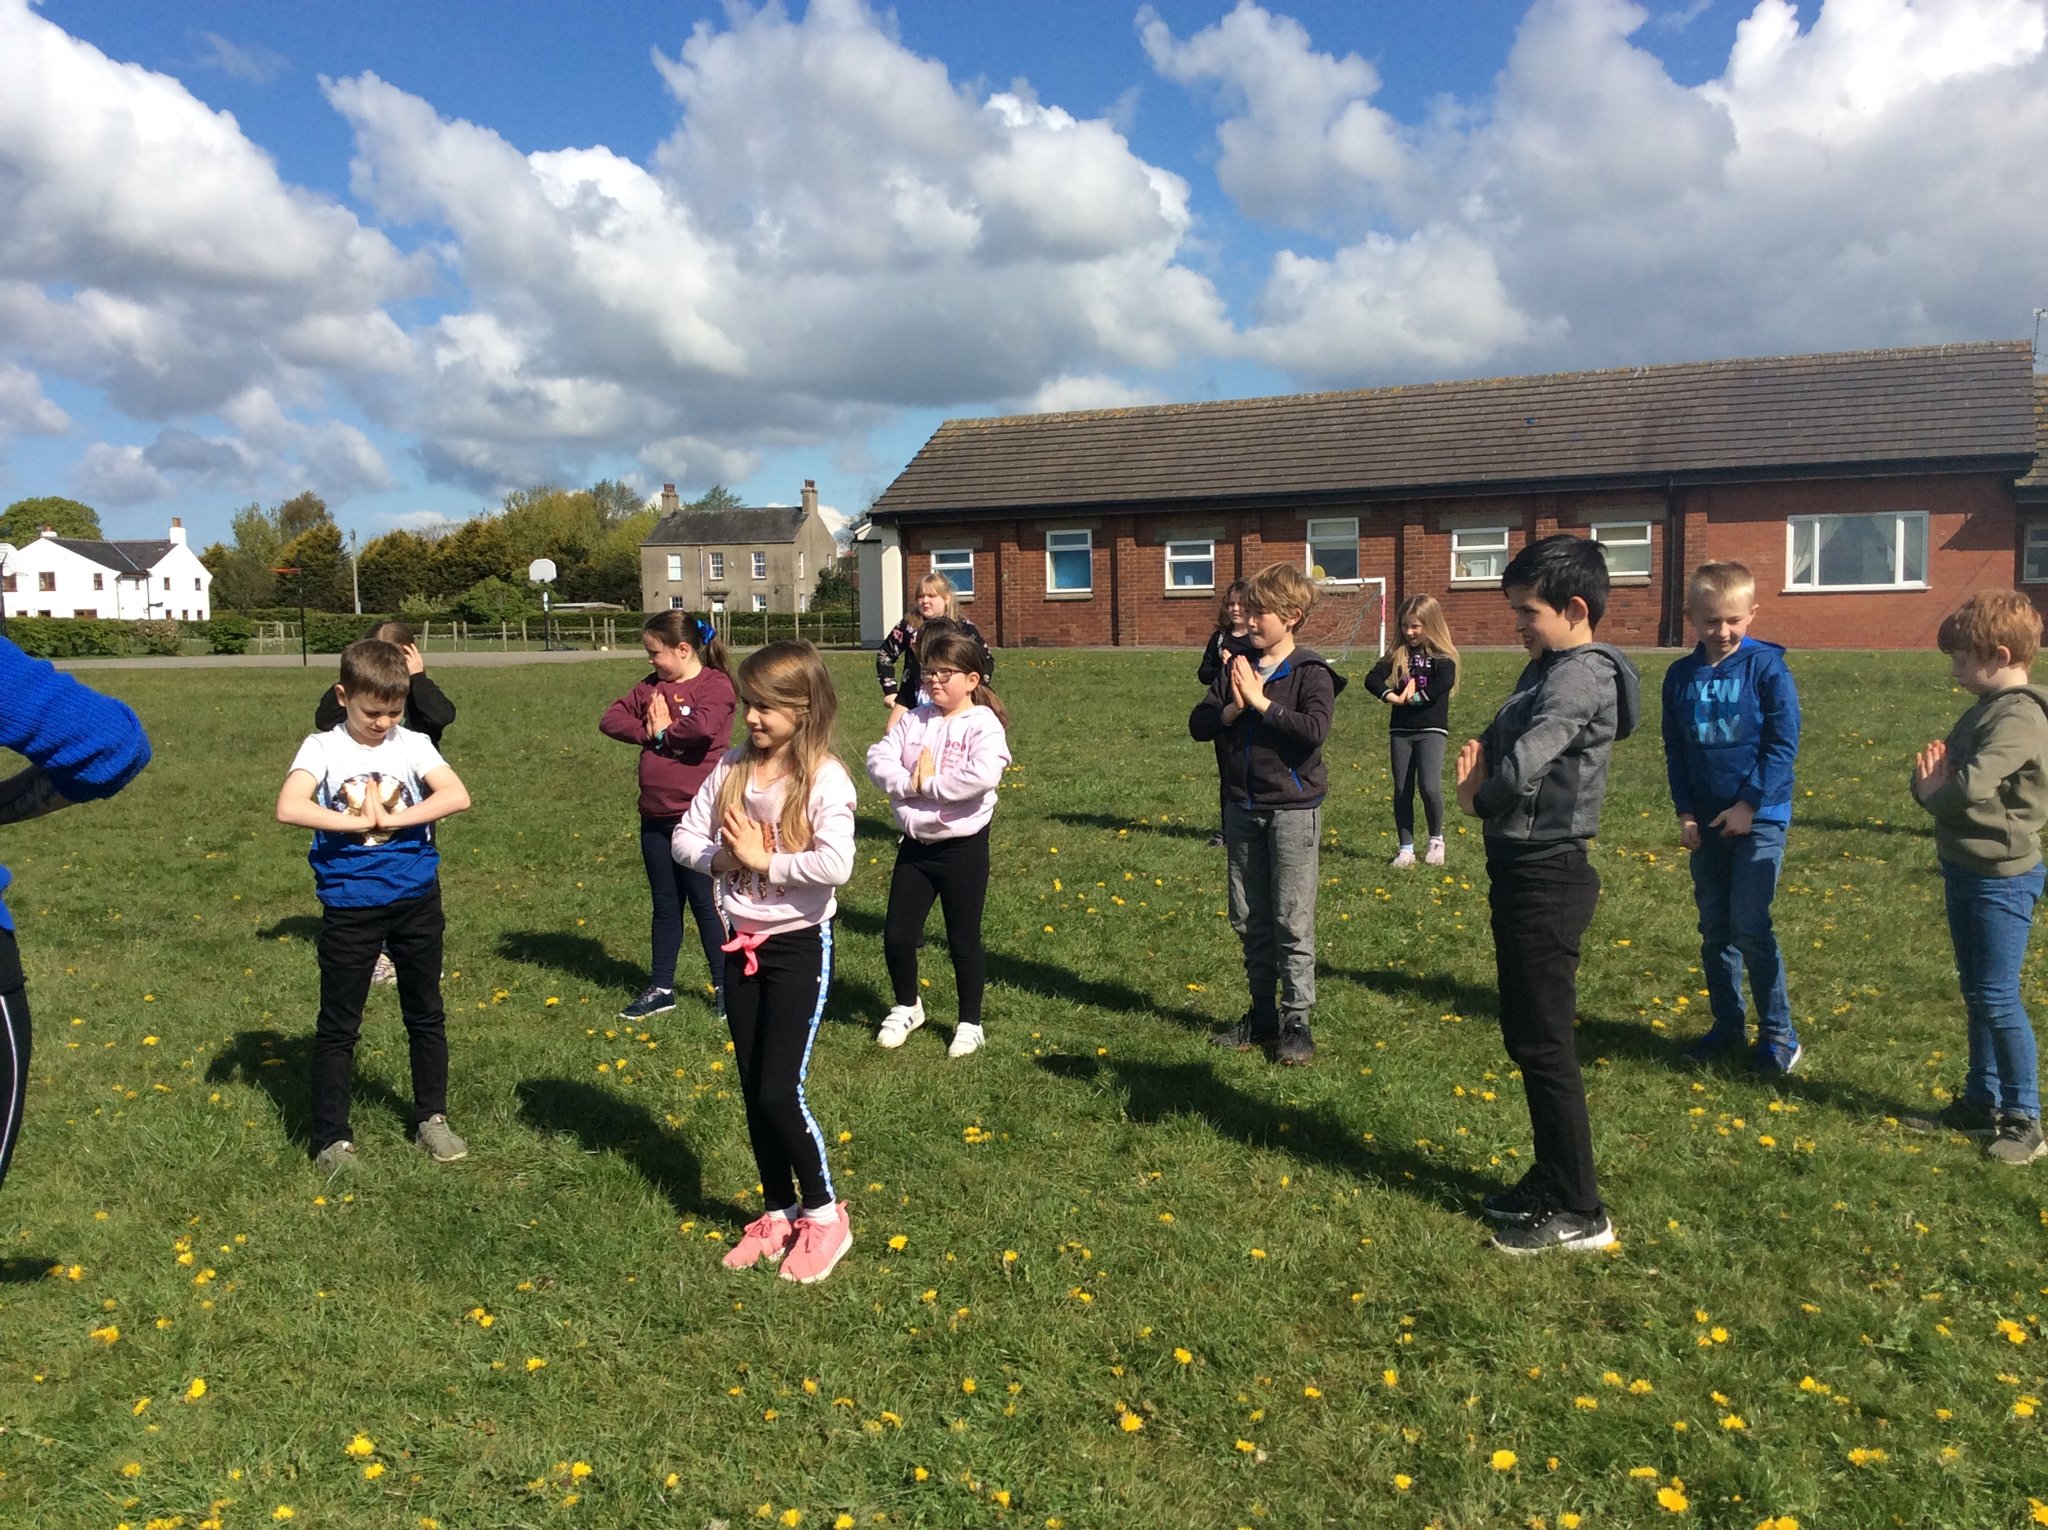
point(1418, 760)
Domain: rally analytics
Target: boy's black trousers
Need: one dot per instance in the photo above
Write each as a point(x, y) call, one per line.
point(350, 938)
point(1541, 909)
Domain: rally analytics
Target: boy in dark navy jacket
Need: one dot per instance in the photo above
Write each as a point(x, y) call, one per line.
point(1731, 734)
point(1271, 714)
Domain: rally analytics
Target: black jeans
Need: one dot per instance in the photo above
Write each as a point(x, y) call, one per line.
point(14, 1048)
point(350, 938)
point(1541, 910)
point(955, 871)
point(674, 885)
point(773, 1016)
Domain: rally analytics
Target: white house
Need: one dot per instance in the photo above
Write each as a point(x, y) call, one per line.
point(123, 581)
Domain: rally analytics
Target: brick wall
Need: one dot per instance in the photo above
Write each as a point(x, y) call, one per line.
point(1971, 546)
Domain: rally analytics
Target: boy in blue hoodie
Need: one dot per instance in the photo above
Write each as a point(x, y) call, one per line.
point(1731, 734)
point(79, 745)
point(1537, 776)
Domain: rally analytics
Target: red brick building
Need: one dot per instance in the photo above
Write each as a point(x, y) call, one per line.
point(1870, 491)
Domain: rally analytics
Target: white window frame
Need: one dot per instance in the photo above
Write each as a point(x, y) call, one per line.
point(1904, 519)
point(1183, 551)
point(760, 603)
point(46, 581)
point(675, 568)
point(1606, 534)
point(1067, 544)
point(716, 562)
point(2032, 541)
point(956, 566)
point(1465, 542)
point(760, 564)
point(1330, 532)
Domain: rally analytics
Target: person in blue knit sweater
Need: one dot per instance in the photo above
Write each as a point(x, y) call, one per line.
point(1731, 734)
point(79, 745)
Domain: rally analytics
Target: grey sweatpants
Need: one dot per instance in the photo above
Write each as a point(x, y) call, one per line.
point(1273, 880)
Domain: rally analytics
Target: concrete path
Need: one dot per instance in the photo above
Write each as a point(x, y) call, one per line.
point(436, 659)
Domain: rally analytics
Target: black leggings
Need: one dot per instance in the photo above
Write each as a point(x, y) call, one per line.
point(1418, 760)
point(773, 1014)
point(14, 1048)
point(411, 931)
point(673, 885)
point(955, 871)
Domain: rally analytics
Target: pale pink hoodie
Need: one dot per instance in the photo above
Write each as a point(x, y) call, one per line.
point(970, 751)
point(797, 889)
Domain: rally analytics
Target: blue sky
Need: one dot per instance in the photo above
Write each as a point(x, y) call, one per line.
point(414, 256)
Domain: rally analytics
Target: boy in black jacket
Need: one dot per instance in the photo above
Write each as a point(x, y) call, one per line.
point(427, 707)
point(1272, 714)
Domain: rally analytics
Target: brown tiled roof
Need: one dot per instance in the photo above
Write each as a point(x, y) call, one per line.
point(2034, 486)
point(726, 528)
point(1788, 414)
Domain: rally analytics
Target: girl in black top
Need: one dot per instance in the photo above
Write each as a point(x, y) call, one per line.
point(1417, 678)
point(1233, 635)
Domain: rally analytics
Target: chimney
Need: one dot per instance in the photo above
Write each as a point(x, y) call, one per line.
point(810, 496)
point(669, 503)
point(177, 531)
point(50, 531)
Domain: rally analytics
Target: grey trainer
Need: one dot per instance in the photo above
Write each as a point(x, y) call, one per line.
point(2018, 1141)
point(335, 1157)
point(439, 1139)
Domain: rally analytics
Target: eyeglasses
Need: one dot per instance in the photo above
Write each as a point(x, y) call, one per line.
point(941, 676)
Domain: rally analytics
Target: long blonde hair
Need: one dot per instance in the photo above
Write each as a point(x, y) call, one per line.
point(1436, 635)
point(787, 676)
point(937, 581)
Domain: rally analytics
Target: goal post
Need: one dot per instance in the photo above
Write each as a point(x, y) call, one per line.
point(1347, 616)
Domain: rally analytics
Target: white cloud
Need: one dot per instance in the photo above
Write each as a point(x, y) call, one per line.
point(118, 475)
point(1068, 392)
point(1869, 180)
point(24, 411)
point(251, 62)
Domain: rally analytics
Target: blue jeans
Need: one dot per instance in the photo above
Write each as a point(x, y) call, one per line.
point(1734, 878)
point(1989, 919)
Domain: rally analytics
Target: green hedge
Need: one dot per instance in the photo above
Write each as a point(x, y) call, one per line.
point(78, 637)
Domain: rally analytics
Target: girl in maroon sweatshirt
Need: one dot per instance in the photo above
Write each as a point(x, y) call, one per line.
point(680, 719)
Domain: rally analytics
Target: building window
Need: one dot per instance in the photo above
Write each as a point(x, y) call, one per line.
point(2034, 554)
point(1478, 553)
point(46, 580)
point(799, 563)
point(675, 602)
point(1333, 550)
point(956, 565)
point(717, 565)
point(195, 584)
point(1069, 562)
point(1627, 545)
point(7, 584)
point(675, 568)
point(1191, 565)
point(760, 602)
point(761, 567)
point(167, 584)
point(1857, 552)
point(99, 581)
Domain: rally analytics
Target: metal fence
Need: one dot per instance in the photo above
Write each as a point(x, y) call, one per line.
point(747, 629)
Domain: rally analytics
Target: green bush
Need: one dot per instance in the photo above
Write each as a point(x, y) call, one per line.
point(73, 637)
point(230, 633)
point(160, 638)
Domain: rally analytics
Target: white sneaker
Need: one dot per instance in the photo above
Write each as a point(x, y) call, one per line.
point(384, 971)
point(966, 1041)
point(1406, 857)
point(899, 1023)
point(1434, 855)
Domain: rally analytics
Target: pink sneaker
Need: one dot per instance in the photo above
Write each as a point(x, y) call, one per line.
point(767, 1237)
point(818, 1248)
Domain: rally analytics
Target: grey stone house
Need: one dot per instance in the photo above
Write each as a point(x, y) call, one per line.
point(718, 561)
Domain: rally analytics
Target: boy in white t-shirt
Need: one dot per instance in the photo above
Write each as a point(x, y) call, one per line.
point(371, 791)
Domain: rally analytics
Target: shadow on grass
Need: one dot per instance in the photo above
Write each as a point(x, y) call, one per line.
point(1137, 826)
point(1921, 829)
point(282, 1067)
point(577, 956)
point(1153, 1091)
point(1050, 982)
point(293, 926)
point(25, 1269)
point(601, 1122)
point(1441, 990)
point(855, 1004)
point(1636, 1041)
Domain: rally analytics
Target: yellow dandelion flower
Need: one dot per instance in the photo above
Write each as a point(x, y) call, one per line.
point(1673, 1499)
point(1643, 1473)
point(1403, 1482)
point(1390, 1377)
point(1864, 1456)
point(1568, 1521)
point(361, 1445)
point(535, 1363)
point(1184, 1356)
point(373, 1471)
point(1130, 1423)
point(196, 1390)
point(1246, 1447)
point(107, 1335)
point(283, 1512)
point(898, 1243)
point(1504, 1460)
point(1588, 1403)
point(967, 1384)
point(792, 1516)
point(132, 1469)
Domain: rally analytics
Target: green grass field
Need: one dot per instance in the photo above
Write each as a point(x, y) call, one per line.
point(1104, 1276)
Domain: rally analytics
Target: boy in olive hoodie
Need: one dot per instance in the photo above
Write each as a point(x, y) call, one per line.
point(1986, 786)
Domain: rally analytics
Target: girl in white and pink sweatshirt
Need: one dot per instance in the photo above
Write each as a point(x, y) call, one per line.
point(941, 764)
point(774, 824)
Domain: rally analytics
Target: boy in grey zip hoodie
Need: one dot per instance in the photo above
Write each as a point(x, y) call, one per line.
point(1986, 785)
point(1537, 777)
